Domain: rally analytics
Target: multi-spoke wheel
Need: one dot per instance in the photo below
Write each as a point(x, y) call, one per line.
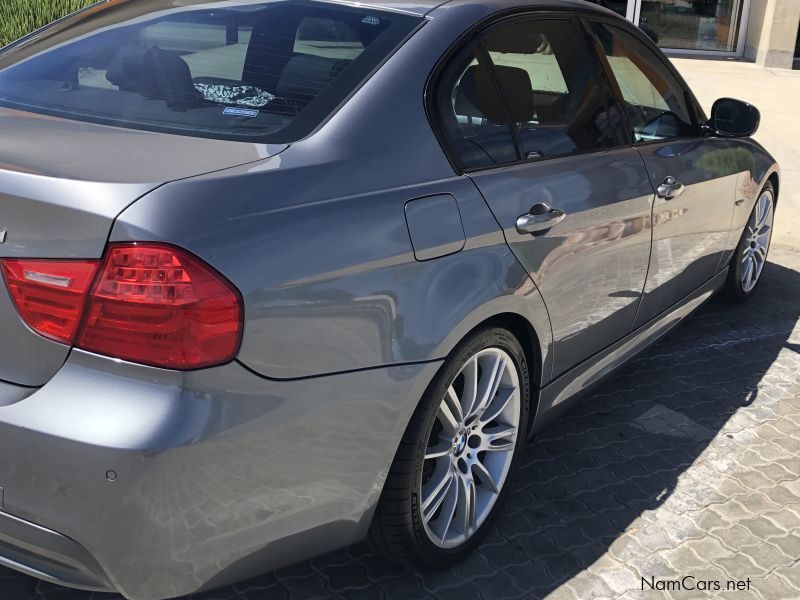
point(471, 447)
point(751, 254)
point(450, 473)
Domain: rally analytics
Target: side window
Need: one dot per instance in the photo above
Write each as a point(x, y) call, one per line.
point(470, 113)
point(654, 100)
point(552, 84)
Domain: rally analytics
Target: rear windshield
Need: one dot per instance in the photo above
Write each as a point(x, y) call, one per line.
point(268, 72)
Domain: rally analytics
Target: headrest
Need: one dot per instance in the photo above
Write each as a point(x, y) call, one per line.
point(305, 76)
point(125, 67)
point(518, 92)
point(479, 90)
point(166, 76)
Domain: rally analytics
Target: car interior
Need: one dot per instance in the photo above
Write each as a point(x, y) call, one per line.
point(271, 62)
point(547, 93)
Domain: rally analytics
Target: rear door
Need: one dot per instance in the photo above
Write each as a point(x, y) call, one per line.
point(550, 160)
point(695, 176)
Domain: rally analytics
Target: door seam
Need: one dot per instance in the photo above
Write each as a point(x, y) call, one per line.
point(528, 275)
point(652, 226)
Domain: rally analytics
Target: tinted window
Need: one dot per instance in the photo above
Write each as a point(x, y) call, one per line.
point(554, 90)
point(472, 118)
point(327, 37)
point(266, 71)
point(655, 102)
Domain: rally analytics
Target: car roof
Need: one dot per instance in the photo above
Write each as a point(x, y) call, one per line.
point(425, 7)
point(413, 7)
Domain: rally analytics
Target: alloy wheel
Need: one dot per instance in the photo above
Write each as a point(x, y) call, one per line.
point(471, 447)
point(756, 241)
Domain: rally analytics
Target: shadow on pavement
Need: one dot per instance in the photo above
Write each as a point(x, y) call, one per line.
point(584, 480)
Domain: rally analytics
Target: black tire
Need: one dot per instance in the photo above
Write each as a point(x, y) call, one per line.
point(734, 290)
point(397, 531)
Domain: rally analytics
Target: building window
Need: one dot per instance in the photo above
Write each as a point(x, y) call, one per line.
point(693, 24)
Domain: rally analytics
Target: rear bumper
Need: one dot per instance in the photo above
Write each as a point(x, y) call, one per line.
point(48, 555)
point(219, 474)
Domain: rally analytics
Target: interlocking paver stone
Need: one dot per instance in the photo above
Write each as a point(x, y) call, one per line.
point(735, 537)
point(739, 564)
point(773, 587)
point(587, 586)
point(686, 462)
point(785, 519)
point(791, 574)
point(789, 545)
point(767, 556)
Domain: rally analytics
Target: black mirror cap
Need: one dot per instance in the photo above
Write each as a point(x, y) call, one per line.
point(734, 118)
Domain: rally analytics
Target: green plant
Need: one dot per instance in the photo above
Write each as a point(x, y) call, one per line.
point(19, 17)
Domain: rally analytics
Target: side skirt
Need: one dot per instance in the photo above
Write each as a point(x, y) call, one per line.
point(564, 391)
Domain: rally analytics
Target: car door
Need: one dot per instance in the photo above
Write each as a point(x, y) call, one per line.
point(695, 176)
point(548, 154)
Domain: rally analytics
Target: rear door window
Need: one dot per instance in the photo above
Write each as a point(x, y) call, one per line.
point(552, 84)
point(526, 90)
point(472, 118)
point(258, 72)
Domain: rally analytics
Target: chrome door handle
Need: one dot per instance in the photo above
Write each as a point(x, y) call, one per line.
point(540, 218)
point(670, 188)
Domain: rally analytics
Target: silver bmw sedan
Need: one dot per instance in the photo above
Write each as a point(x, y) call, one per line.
point(280, 276)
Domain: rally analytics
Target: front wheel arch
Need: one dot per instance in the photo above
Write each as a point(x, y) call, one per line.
point(775, 179)
point(734, 289)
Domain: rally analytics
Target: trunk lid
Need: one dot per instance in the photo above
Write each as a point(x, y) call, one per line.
point(62, 184)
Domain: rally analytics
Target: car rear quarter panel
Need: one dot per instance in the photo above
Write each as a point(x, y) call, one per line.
point(316, 238)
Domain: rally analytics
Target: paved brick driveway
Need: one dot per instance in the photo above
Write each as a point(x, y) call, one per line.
point(685, 463)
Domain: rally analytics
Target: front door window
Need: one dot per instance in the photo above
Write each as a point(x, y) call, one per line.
point(655, 102)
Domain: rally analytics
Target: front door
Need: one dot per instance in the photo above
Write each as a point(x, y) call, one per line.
point(573, 202)
point(695, 177)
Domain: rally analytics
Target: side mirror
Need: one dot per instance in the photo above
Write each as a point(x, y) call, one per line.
point(733, 118)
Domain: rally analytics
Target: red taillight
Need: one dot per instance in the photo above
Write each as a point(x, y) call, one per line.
point(50, 294)
point(150, 303)
point(161, 306)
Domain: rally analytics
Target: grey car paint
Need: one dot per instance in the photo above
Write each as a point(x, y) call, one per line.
point(219, 474)
point(364, 302)
point(225, 472)
point(435, 226)
point(591, 267)
point(690, 230)
point(60, 195)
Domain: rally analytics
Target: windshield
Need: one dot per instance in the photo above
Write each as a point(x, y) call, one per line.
point(268, 72)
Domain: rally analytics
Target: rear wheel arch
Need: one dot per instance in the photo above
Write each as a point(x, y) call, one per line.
point(528, 337)
point(522, 329)
point(530, 327)
point(395, 528)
